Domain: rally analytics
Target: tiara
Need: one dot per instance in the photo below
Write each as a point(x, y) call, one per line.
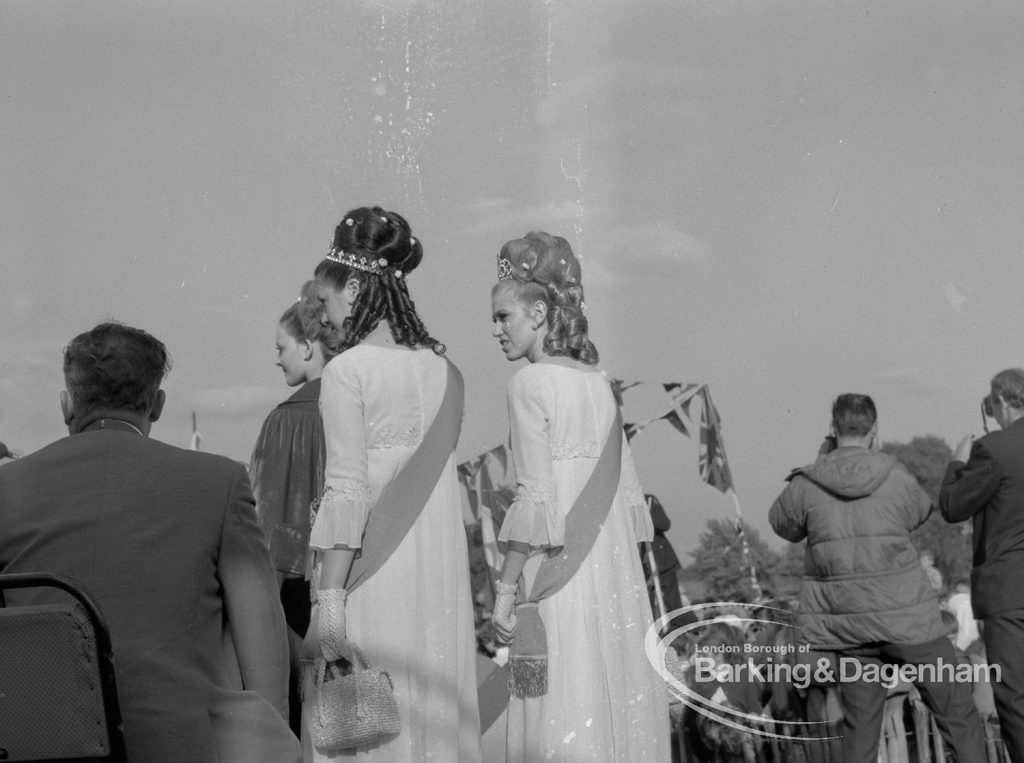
point(504, 269)
point(376, 267)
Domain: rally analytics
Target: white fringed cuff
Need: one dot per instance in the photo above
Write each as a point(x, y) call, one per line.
point(342, 515)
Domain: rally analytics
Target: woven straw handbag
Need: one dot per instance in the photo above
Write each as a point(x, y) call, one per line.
point(355, 704)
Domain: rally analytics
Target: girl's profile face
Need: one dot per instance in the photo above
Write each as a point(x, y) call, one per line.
point(514, 325)
point(337, 304)
point(290, 357)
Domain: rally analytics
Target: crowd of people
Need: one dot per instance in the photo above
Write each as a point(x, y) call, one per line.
point(227, 590)
point(874, 615)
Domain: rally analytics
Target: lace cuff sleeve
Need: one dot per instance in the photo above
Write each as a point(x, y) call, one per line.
point(534, 519)
point(341, 518)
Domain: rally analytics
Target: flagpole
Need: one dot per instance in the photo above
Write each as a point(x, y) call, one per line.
point(652, 564)
point(478, 486)
point(747, 559)
point(711, 460)
point(196, 438)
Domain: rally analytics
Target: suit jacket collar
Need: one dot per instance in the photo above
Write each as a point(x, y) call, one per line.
point(99, 423)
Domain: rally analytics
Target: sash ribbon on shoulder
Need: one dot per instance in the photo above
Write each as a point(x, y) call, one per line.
point(402, 500)
point(528, 663)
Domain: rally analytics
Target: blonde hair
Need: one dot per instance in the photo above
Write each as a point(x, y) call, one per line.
point(543, 268)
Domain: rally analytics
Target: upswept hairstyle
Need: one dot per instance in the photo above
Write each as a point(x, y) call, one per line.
point(302, 320)
point(853, 415)
point(1009, 385)
point(115, 367)
point(543, 268)
point(381, 237)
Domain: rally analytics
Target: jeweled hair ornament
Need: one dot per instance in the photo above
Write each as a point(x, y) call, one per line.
point(359, 263)
point(504, 269)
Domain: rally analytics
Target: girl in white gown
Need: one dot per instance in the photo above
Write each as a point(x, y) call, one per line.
point(413, 616)
point(602, 699)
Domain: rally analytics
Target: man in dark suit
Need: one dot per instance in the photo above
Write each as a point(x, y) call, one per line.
point(665, 561)
point(167, 541)
point(986, 481)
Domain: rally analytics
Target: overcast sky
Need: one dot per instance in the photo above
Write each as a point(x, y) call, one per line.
point(784, 199)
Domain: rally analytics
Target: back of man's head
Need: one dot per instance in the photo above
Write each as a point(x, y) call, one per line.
point(114, 367)
point(853, 415)
point(1009, 385)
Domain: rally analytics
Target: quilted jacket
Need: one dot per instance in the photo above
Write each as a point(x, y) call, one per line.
point(863, 582)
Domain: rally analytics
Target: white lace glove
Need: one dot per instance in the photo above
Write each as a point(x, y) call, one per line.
point(504, 616)
point(332, 621)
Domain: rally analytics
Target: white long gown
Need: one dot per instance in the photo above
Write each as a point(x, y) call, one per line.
point(605, 702)
point(414, 617)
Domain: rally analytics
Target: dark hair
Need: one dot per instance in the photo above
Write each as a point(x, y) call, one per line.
point(114, 366)
point(386, 242)
point(302, 320)
point(1009, 385)
point(853, 415)
point(544, 268)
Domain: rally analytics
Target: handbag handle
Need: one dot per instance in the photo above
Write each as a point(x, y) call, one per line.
point(349, 653)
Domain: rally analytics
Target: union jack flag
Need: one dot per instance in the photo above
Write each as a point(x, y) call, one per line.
point(682, 396)
point(489, 489)
point(713, 466)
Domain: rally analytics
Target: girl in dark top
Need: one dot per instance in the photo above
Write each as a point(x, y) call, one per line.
point(287, 466)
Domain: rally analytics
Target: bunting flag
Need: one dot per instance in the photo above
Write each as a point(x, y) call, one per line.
point(632, 430)
point(673, 418)
point(489, 489)
point(681, 396)
point(489, 485)
point(712, 464)
point(619, 386)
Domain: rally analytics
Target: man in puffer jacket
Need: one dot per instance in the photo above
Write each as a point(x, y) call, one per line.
point(865, 596)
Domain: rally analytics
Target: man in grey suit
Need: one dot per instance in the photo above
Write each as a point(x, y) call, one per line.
point(166, 540)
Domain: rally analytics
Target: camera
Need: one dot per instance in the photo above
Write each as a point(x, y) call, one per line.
point(986, 412)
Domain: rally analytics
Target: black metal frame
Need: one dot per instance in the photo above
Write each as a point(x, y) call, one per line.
point(104, 649)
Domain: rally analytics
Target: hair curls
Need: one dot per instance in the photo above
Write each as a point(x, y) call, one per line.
point(302, 320)
point(543, 267)
point(378, 235)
